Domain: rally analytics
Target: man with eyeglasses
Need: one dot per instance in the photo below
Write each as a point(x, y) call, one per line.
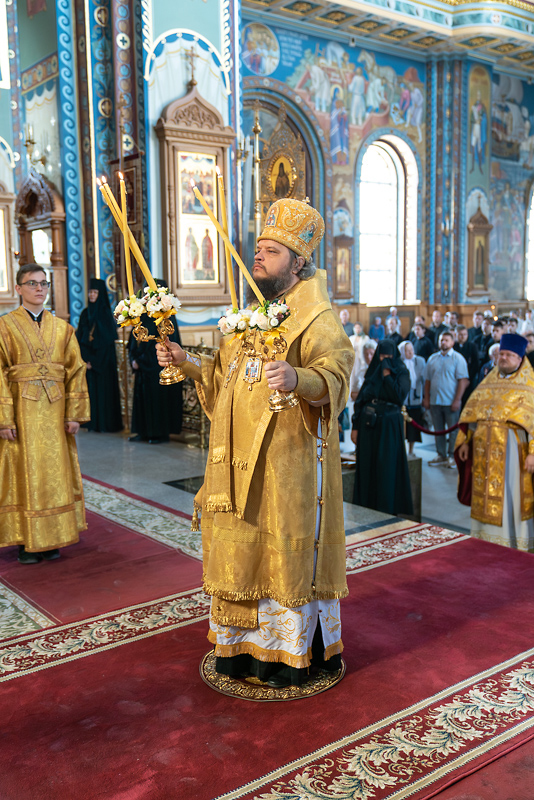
point(43, 400)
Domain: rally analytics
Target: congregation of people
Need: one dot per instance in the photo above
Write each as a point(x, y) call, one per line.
point(440, 378)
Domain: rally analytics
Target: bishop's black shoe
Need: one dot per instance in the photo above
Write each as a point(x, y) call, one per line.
point(50, 555)
point(28, 558)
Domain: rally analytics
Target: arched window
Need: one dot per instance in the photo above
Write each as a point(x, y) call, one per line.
point(388, 186)
point(529, 288)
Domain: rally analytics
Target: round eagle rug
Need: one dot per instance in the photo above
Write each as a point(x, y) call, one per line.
point(257, 691)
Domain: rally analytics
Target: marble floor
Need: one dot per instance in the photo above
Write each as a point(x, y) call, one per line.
point(146, 470)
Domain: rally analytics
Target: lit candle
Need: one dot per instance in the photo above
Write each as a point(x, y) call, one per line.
point(125, 237)
point(222, 201)
point(110, 201)
point(248, 277)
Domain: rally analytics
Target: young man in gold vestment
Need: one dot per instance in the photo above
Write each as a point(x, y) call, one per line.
point(43, 400)
point(497, 432)
point(272, 512)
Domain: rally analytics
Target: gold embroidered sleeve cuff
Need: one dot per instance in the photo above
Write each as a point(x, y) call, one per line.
point(310, 385)
point(192, 366)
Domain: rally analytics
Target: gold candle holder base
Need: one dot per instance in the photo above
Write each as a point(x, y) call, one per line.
point(281, 401)
point(170, 375)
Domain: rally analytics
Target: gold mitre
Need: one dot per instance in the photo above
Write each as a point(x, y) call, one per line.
point(296, 224)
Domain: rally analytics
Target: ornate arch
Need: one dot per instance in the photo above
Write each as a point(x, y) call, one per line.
point(273, 91)
point(379, 133)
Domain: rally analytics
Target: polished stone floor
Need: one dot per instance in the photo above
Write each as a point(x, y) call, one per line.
point(146, 470)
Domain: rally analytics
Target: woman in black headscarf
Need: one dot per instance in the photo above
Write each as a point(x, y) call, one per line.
point(382, 480)
point(157, 409)
point(97, 331)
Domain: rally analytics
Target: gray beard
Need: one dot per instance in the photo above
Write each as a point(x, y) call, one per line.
point(269, 287)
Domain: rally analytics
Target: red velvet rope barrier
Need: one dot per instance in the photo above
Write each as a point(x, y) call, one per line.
point(432, 433)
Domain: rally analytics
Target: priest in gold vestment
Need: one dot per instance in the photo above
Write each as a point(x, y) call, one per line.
point(497, 427)
point(272, 512)
point(43, 400)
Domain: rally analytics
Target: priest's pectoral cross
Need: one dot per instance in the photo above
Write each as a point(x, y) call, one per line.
point(232, 366)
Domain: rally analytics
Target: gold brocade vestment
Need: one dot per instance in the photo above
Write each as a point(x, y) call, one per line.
point(42, 385)
point(259, 500)
point(497, 405)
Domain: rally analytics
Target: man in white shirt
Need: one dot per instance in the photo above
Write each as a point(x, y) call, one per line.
point(446, 379)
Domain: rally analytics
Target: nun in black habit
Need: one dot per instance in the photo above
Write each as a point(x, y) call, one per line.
point(96, 333)
point(382, 480)
point(157, 409)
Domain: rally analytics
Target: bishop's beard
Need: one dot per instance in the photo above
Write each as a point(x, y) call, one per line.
point(271, 288)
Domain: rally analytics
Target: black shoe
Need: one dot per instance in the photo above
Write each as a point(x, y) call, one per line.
point(159, 440)
point(28, 558)
point(136, 438)
point(278, 682)
point(50, 555)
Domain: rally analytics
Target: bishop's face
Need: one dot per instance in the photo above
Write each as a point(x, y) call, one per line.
point(275, 268)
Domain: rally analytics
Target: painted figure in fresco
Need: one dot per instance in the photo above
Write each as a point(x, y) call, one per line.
point(387, 74)
point(357, 108)
point(479, 133)
point(207, 257)
point(335, 53)
point(376, 94)
point(339, 129)
point(320, 87)
point(414, 115)
point(404, 102)
point(191, 253)
point(282, 187)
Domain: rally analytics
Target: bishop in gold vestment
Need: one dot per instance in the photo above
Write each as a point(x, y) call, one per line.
point(273, 534)
point(498, 422)
point(42, 386)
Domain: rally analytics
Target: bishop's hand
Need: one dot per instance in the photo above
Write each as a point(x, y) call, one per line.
point(170, 353)
point(280, 375)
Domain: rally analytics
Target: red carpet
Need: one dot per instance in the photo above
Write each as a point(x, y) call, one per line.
point(110, 568)
point(115, 708)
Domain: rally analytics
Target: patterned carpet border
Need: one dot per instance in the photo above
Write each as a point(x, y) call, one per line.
point(31, 653)
point(18, 615)
point(143, 517)
point(407, 752)
point(391, 547)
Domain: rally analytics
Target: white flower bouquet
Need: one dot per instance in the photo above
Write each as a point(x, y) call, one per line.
point(269, 316)
point(160, 304)
point(235, 321)
point(129, 310)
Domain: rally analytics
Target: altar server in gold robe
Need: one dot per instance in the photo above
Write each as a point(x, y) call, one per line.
point(43, 400)
point(497, 427)
point(272, 513)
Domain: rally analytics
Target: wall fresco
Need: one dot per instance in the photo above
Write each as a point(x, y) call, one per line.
point(512, 174)
point(352, 91)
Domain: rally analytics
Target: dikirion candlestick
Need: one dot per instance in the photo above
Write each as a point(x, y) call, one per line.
point(248, 277)
point(228, 255)
point(113, 206)
point(127, 261)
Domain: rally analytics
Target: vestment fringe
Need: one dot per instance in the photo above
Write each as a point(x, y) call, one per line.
point(211, 506)
point(270, 656)
point(260, 594)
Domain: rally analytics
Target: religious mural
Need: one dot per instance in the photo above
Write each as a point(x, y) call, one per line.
point(512, 122)
point(512, 174)
point(509, 191)
point(478, 161)
point(351, 91)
